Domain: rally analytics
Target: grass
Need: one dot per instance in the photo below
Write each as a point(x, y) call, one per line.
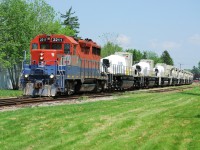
point(135, 121)
point(10, 93)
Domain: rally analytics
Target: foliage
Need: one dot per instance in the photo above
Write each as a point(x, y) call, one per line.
point(166, 58)
point(144, 55)
point(153, 56)
point(196, 71)
point(137, 54)
point(71, 22)
point(135, 121)
point(66, 31)
point(110, 48)
point(20, 21)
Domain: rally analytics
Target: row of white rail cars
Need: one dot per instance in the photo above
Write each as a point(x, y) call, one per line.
point(123, 75)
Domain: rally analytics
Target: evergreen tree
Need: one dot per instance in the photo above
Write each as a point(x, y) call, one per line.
point(71, 21)
point(166, 58)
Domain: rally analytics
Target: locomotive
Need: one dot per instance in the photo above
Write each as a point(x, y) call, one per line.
point(63, 65)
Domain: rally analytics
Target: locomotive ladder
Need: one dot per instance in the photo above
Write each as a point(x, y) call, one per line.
point(62, 75)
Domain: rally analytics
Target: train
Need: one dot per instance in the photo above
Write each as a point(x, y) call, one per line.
point(64, 65)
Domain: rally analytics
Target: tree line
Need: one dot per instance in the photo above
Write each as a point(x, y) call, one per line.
point(21, 21)
point(196, 71)
point(110, 48)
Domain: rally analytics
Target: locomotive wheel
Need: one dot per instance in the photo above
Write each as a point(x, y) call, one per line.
point(70, 88)
point(99, 87)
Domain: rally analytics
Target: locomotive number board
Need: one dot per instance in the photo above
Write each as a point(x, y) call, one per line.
point(57, 39)
point(43, 39)
point(52, 39)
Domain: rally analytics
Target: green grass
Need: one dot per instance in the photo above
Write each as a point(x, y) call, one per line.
point(10, 93)
point(135, 121)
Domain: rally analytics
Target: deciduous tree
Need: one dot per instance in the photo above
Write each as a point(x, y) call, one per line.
point(153, 56)
point(110, 48)
point(20, 21)
point(137, 54)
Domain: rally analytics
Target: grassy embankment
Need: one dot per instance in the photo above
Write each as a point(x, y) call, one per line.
point(10, 93)
point(145, 121)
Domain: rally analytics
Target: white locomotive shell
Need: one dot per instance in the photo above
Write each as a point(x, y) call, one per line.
point(128, 57)
point(118, 65)
point(144, 67)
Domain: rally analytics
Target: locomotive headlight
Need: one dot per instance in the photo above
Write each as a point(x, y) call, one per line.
point(51, 76)
point(41, 54)
point(41, 58)
point(26, 75)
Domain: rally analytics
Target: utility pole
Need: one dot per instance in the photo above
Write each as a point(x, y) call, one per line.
point(180, 65)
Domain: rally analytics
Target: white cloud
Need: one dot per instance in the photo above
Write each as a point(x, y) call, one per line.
point(170, 45)
point(123, 40)
point(195, 39)
point(165, 45)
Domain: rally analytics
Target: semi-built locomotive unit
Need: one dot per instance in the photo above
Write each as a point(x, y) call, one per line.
point(63, 65)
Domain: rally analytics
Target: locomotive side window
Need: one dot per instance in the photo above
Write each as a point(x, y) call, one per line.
point(74, 49)
point(96, 51)
point(44, 46)
point(34, 46)
point(86, 50)
point(56, 46)
point(67, 48)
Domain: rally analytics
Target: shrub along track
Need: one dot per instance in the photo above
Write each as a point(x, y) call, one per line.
point(23, 101)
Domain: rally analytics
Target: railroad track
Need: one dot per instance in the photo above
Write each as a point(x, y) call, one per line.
point(173, 89)
point(27, 100)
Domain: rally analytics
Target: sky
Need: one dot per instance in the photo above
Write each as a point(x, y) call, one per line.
point(146, 25)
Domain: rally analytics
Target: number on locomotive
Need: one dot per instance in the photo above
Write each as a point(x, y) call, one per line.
point(42, 39)
point(57, 39)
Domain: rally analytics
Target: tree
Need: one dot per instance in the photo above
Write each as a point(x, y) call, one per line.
point(196, 72)
point(71, 22)
point(153, 56)
point(137, 54)
point(144, 55)
point(110, 48)
point(20, 21)
point(166, 58)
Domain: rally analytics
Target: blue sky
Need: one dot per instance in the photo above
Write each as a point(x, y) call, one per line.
point(154, 25)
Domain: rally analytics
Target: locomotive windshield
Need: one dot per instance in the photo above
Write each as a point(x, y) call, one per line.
point(56, 46)
point(44, 46)
point(51, 46)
